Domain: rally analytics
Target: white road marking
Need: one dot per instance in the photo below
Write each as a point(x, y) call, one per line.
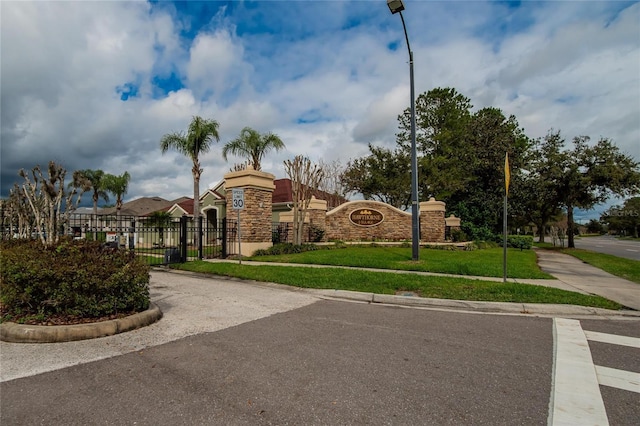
point(635, 251)
point(575, 392)
point(633, 342)
point(620, 379)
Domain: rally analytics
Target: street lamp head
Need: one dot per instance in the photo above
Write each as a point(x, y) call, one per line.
point(395, 6)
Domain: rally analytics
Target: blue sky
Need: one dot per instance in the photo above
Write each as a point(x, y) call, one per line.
point(96, 84)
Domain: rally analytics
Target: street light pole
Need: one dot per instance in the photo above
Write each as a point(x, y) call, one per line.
point(396, 6)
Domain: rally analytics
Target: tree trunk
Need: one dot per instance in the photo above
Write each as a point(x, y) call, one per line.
point(196, 202)
point(541, 232)
point(93, 223)
point(570, 226)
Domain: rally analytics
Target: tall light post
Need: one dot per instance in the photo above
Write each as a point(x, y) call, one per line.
point(396, 6)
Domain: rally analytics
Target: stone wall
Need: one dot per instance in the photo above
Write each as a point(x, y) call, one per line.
point(395, 226)
point(352, 221)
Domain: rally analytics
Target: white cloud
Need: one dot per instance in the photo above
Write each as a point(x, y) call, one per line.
point(215, 61)
point(320, 75)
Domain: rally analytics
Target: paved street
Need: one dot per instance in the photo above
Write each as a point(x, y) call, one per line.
point(629, 249)
point(328, 363)
point(260, 354)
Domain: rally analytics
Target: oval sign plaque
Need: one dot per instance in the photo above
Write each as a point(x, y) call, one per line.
point(366, 217)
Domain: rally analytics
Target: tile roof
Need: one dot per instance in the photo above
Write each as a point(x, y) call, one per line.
point(139, 207)
point(284, 194)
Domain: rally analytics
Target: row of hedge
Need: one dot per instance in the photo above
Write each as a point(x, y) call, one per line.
point(76, 278)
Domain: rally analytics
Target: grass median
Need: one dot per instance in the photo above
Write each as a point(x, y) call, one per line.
point(394, 283)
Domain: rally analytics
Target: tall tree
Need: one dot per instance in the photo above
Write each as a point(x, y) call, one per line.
point(95, 177)
point(490, 134)
point(383, 175)
point(624, 219)
point(20, 214)
point(44, 195)
point(333, 183)
point(252, 145)
point(442, 119)
point(305, 177)
point(590, 174)
point(462, 156)
point(535, 190)
point(197, 141)
point(97, 187)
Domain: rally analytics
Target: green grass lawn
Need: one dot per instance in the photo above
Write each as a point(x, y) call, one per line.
point(484, 263)
point(392, 283)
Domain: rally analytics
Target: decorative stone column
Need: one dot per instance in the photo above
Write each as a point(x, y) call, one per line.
point(432, 224)
point(452, 223)
point(317, 214)
point(255, 218)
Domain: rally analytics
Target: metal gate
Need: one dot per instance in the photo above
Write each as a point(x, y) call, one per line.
point(158, 241)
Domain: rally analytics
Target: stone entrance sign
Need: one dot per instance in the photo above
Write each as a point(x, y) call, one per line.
point(366, 217)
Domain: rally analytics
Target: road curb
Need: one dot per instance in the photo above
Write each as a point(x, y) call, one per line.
point(539, 309)
point(510, 308)
point(21, 333)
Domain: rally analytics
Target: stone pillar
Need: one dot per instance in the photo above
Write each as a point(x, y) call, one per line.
point(317, 214)
point(255, 218)
point(432, 224)
point(452, 223)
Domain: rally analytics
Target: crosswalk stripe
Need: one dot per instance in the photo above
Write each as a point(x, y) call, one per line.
point(575, 392)
point(620, 379)
point(595, 336)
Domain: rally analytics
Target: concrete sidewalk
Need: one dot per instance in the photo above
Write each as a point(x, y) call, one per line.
point(575, 273)
point(191, 304)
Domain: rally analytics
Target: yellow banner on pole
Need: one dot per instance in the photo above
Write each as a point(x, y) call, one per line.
point(507, 173)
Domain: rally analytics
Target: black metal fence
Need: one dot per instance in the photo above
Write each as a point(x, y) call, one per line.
point(158, 241)
point(281, 232)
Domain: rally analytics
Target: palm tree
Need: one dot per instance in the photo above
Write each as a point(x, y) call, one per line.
point(118, 186)
point(95, 178)
point(160, 220)
point(197, 140)
point(252, 145)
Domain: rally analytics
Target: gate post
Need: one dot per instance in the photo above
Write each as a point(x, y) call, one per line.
point(432, 225)
point(183, 239)
point(256, 216)
point(200, 237)
point(224, 238)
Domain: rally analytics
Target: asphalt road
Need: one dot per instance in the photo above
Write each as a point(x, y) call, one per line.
point(330, 362)
point(622, 406)
point(327, 363)
point(232, 352)
point(629, 249)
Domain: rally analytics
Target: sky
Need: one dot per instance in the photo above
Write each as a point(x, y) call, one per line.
point(96, 84)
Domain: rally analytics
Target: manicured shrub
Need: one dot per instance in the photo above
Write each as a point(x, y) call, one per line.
point(286, 248)
point(458, 235)
point(523, 242)
point(80, 279)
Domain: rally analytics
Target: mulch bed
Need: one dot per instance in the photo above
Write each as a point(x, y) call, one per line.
point(61, 319)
